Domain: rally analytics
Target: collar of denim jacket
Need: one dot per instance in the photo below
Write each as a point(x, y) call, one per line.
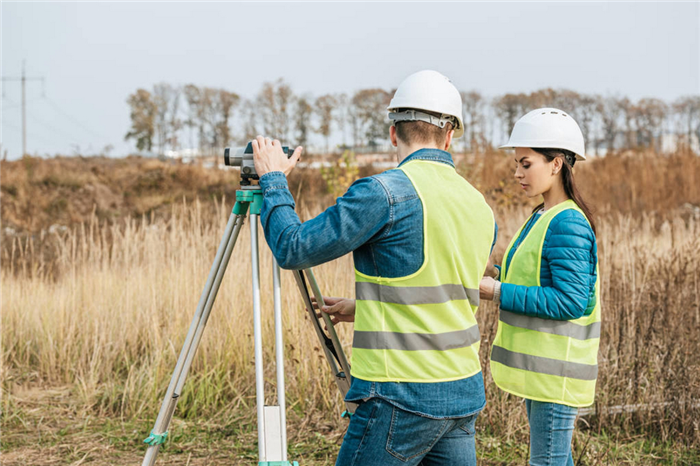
point(435, 155)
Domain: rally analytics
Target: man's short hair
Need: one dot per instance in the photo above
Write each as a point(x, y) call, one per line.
point(421, 132)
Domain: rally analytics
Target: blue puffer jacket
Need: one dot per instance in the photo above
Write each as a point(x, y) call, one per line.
point(567, 275)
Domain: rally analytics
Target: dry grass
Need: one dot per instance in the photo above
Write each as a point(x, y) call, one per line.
point(102, 310)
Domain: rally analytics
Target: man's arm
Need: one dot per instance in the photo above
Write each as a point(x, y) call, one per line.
point(356, 217)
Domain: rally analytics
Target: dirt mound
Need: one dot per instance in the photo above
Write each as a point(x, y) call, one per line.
point(38, 193)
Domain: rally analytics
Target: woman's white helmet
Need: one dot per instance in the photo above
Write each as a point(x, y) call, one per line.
point(548, 128)
point(430, 91)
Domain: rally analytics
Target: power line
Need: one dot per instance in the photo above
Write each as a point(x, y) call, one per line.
point(34, 136)
point(53, 128)
point(75, 120)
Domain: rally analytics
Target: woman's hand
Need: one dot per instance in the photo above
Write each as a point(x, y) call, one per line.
point(486, 288)
point(339, 309)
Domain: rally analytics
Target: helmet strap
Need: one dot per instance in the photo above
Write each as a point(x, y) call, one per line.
point(417, 115)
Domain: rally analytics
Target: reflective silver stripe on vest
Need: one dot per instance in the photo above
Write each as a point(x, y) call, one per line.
point(573, 370)
point(416, 341)
point(557, 327)
point(415, 294)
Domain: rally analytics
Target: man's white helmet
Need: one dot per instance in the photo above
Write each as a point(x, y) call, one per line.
point(431, 91)
point(548, 128)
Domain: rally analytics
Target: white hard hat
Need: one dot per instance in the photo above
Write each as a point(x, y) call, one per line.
point(548, 128)
point(431, 91)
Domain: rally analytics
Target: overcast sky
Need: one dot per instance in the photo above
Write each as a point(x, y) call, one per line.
point(93, 55)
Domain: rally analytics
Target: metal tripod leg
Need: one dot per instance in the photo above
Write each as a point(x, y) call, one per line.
point(272, 426)
point(332, 348)
point(194, 335)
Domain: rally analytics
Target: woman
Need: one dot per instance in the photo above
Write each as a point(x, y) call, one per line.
point(546, 345)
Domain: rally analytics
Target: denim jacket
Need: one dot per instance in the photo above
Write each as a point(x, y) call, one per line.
point(379, 220)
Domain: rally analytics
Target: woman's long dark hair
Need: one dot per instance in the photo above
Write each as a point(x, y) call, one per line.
point(567, 177)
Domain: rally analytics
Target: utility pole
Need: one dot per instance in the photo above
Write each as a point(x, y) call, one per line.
point(24, 80)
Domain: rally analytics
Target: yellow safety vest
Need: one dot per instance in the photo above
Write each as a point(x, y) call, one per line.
point(541, 359)
point(421, 327)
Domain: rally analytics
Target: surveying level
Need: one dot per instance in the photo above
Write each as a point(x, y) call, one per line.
point(244, 158)
point(271, 420)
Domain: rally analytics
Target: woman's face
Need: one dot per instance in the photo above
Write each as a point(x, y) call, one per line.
point(533, 172)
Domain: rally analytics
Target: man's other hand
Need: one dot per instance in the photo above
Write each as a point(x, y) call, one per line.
point(339, 309)
point(269, 156)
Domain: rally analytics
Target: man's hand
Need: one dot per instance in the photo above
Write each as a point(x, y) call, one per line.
point(269, 156)
point(339, 309)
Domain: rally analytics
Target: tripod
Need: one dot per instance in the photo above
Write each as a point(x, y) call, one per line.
point(271, 420)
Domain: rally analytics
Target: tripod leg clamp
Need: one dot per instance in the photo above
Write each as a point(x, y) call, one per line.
point(156, 439)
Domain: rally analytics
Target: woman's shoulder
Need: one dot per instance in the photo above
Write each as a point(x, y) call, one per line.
point(571, 223)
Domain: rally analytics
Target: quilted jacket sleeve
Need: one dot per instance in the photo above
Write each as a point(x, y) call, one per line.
point(569, 250)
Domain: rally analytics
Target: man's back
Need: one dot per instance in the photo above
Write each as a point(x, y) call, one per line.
point(420, 327)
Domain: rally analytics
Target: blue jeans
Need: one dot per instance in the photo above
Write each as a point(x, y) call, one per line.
point(380, 434)
point(551, 429)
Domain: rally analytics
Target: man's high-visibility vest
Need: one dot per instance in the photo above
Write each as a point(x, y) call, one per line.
point(421, 327)
point(541, 359)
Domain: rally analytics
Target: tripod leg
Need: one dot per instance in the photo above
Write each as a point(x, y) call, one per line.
point(279, 356)
point(257, 334)
point(193, 338)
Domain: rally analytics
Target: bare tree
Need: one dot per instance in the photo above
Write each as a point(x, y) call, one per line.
point(166, 99)
point(540, 98)
point(649, 115)
point(143, 115)
point(249, 113)
point(611, 112)
point(370, 113)
point(342, 116)
point(473, 116)
point(628, 111)
point(193, 121)
point(302, 118)
point(687, 112)
point(324, 108)
point(274, 103)
point(220, 112)
point(509, 108)
point(175, 122)
point(586, 111)
point(197, 102)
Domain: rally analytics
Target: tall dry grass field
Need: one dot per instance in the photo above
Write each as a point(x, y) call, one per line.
point(99, 313)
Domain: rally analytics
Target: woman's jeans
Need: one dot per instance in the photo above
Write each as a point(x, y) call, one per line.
point(380, 434)
point(551, 429)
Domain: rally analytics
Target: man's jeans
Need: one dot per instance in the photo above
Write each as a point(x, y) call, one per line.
point(380, 434)
point(551, 429)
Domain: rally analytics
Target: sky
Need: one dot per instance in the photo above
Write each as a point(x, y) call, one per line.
point(92, 55)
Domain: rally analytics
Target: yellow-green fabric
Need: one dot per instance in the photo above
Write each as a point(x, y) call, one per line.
point(541, 359)
point(421, 327)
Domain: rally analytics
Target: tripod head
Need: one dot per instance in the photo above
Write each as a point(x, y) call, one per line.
point(243, 157)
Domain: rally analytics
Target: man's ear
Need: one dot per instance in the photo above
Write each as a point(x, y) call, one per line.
point(448, 139)
point(392, 136)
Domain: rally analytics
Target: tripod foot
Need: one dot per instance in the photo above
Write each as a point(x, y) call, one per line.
point(278, 463)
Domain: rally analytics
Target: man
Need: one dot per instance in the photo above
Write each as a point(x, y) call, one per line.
point(421, 237)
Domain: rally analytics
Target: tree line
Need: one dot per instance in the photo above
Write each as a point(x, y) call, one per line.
point(171, 117)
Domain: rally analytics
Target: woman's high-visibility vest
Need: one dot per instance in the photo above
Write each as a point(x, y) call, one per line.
point(421, 327)
point(541, 359)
